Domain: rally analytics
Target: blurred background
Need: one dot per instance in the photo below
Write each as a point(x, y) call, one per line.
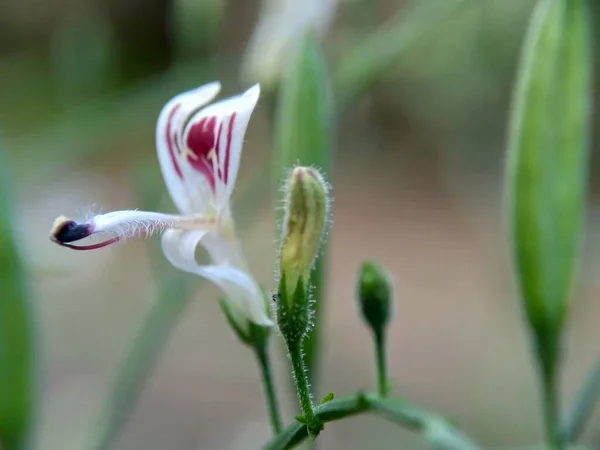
point(417, 187)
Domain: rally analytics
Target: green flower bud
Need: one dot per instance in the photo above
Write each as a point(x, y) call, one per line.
point(306, 212)
point(374, 295)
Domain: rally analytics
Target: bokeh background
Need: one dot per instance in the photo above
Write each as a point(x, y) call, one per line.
point(417, 187)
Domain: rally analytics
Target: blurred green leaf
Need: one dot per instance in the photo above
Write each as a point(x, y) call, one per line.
point(547, 159)
point(304, 135)
point(366, 63)
point(16, 331)
point(546, 175)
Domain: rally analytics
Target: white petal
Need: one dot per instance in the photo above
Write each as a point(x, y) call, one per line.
point(241, 291)
point(189, 190)
point(121, 225)
point(213, 141)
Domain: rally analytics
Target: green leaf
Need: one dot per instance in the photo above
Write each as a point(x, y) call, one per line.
point(304, 135)
point(16, 330)
point(304, 122)
point(547, 158)
point(327, 398)
point(546, 178)
point(300, 418)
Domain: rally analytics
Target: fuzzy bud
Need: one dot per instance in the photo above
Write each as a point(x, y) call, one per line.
point(374, 296)
point(304, 223)
point(306, 211)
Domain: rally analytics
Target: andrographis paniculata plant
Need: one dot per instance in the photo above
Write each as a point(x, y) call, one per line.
point(199, 150)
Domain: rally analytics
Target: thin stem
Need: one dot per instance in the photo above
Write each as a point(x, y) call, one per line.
point(301, 381)
point(394, 410)
point(551, 412)
point(583, 406)
point(548, 356)
point(312, 342)
point(380, 355)
point(264, 363)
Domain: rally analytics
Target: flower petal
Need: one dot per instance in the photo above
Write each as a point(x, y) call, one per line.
point(189, 190)
point(242, 292)
point(213, 141)
point(121, 225)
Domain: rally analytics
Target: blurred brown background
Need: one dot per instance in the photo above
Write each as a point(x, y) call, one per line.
point(417, 187)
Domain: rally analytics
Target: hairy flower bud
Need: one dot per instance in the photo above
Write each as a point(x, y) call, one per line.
point(304, 222)
point(374, 295)
point(306, 212)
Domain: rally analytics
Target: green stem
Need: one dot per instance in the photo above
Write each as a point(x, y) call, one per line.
point(312, 342)
point(551, 412)
point(548, 357)
point(301, 381)
point(583, 406)
point(394, 410)
point(269, 387)
point(380, 355)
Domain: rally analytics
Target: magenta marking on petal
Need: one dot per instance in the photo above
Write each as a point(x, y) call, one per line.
point(218, 151)
point(91, 246)
point(202, 142)
point(228, 147)
point(171, 141)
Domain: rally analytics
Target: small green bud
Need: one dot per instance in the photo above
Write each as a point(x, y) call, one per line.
point(306, 212)
point(374, 295)
point(327, 398)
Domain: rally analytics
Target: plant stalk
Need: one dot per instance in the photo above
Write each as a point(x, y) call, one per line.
point(313, 424)
point(551, 412)
point(299, 372)
point(397, 411)
point(264, 363)
point(381, 360)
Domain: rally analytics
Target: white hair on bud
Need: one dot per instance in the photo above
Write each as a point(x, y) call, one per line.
point(127, 224)
point(281, 221)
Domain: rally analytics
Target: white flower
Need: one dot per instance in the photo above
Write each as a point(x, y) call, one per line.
point(199, 149)
point(280, 29)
